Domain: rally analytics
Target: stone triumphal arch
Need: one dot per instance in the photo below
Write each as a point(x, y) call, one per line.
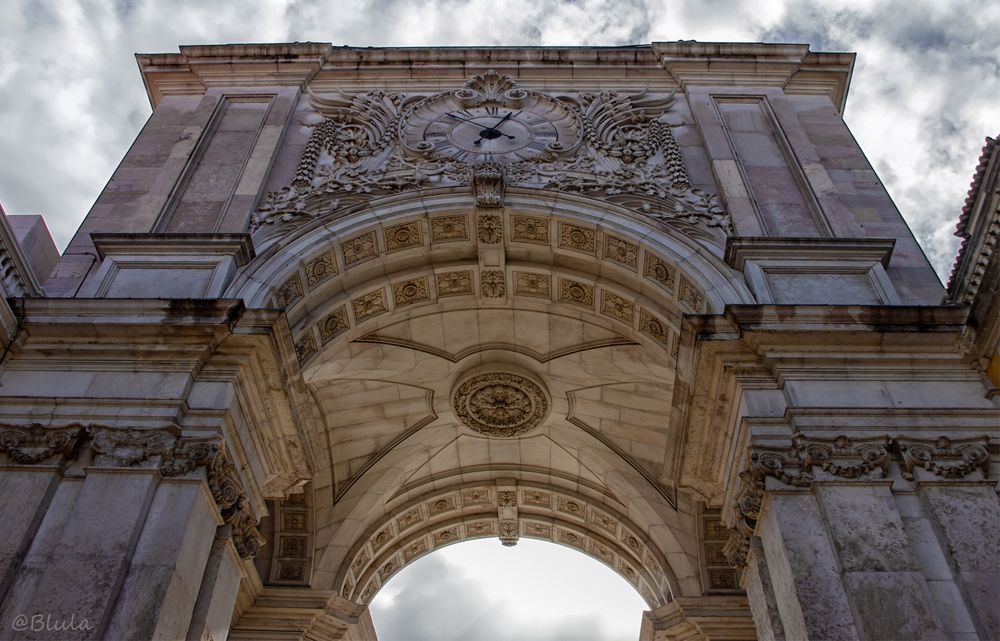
point(341, 307)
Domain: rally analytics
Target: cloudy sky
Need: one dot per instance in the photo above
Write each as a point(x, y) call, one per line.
point(924, 96)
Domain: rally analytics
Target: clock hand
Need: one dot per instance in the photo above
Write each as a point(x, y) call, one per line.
point(465, 119)
point(503, 120)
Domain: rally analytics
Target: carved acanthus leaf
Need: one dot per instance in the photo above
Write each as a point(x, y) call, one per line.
point(29, 445)
point(618, 125)
point(944, 457)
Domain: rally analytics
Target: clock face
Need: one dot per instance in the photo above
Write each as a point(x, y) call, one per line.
point(491, 132)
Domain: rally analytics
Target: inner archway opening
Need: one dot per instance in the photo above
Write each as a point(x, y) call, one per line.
point(480, 589)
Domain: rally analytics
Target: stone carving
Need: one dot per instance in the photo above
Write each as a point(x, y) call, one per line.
point(400, 237)
point(475, 496)
point(454, 283)
point(490, 229)
point(537, 497)
point(654, 327)
point(577, 238)
point(488, 184)
point(359, 249)
point(289, 293)
point(661, 272)
point(506, 498)
point(37, 443)
point(129, 448)
point(843, 457)
point(604, 521)
point(539, 530)
point(320, 268)
point(449, 228)
point(500, 404)
point(491, 284)
point(388, 568)
point(449, 535)
point(617, 307)
point(531, 284)
point(944, 457)
point(529, 229)
point(409, 518)
point(305, 347)
point(335, 324)
point(690, 295)
point(576, 293)
point(508, 532)
point(413, 550)
point(621, 251)
point(371, 304)
point(362, 147)
point(443, 504)
point(481, 528)
point(411, 291)
point(381, 538)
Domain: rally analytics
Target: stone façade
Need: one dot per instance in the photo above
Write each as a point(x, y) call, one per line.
point(320, 323)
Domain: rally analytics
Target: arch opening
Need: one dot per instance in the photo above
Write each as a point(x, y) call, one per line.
point(480, 589)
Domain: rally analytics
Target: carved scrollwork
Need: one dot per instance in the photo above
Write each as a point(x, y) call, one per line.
point(129, 448)
point(29, 445)
point(843, 457)
point(367, 144)
point(944, 457)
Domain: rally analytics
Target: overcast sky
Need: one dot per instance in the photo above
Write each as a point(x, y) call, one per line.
point(923, 98)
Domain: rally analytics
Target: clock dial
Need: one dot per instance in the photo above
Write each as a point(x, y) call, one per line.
point(491, 132)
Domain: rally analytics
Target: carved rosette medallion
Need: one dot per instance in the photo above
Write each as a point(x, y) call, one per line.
point(500, 404)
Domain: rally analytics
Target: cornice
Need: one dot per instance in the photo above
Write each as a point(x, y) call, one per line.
point(195, 69)
point(740, 249)
point(789, 66)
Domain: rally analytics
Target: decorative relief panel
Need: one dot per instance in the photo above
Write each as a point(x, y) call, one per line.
point(449, 229)
point(400, 237)
point(360, 248)
point(490, 229)
point(654, 327)
point(690, 296)
point(571, 291)
point(289, 293)
point(621, 251)
point(529, 229)
point(335, 324)
point(615, 146)
point(617, 306)
point(491, 283)
point(661, 272)
point(305, 347)
point(531, 284)
point(409, 292)
point(454, 283)
point(577, 238)
point(500, 404)
point(371, 304)
point(320, 268)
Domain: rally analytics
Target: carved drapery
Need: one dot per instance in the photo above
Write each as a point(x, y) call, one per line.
point(810, 459)
point(160, 449)
point(626, 153)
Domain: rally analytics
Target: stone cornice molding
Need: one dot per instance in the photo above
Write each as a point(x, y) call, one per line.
point(239, 246)
point(810, 459)
point(161, 449)
point(740, 249)
point(195, 69)
point(16, 275)
point(790, 66)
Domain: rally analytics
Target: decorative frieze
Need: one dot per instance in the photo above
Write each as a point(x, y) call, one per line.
point(360, 248)
point(400, 237)
point(36, 443)
point(532, 284)
point(368, 305)
point(449, 229)
point(617, 306)
point(621, 251)
point(491, 283)
point(654, 327)
point(490, 229)
point(305, 347)
point(454, 283)
point(409, 292)
point(571, 291)
point(289, 293)
point(660, 271)
point(529, 229)
point(334, 324)
point(320, 268)
point(843, 458)
point(577, 238)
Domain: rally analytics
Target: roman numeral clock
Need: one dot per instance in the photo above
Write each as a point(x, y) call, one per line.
point(491, 121)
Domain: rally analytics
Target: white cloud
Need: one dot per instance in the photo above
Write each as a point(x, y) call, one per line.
point(535, 591)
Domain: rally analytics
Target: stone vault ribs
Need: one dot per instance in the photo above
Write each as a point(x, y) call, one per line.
point(624, 153)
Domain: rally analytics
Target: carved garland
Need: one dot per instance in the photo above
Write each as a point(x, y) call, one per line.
point(162, 449)
point(810, 459)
